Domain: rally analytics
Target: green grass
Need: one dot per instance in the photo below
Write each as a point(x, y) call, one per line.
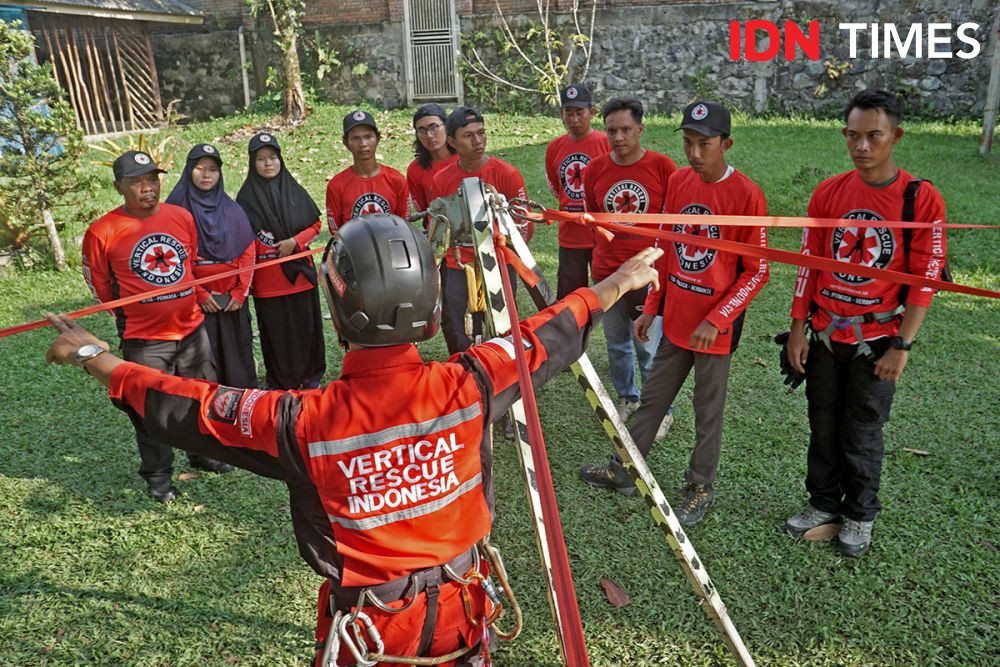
point(94, 573)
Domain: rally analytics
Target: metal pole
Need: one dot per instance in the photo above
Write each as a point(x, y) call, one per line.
point(992, 95)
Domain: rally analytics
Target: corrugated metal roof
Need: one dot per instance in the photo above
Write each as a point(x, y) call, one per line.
point(151, 10)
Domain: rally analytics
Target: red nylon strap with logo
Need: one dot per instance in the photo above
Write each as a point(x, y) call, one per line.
point(124, 301)
point(774, 254)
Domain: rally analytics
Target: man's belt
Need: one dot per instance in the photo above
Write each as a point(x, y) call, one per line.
point(344, 598)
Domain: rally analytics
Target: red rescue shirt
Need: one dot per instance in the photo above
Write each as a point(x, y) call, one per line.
point(611, 188)
point(237, 287)
point(501, 175)
point(124, 255)
point(702, 283)
point(847, 196)
point(271, 281)
point(350, 196)
point(419, 180)
point(565, 161)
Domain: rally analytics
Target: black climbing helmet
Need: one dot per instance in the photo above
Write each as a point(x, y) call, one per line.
point(381, 282)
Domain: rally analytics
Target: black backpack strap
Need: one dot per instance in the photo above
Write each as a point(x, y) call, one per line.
point(910, 210)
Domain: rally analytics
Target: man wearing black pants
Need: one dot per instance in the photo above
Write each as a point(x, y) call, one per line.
point(863, 328)
point(139, 247)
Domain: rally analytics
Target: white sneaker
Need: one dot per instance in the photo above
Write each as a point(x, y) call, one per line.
point(668, 421)
point(626, 409)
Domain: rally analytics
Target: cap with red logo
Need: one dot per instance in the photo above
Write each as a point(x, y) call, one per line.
point(708, 118)
point(134, 163)
point(576, 95)
point(359, 117)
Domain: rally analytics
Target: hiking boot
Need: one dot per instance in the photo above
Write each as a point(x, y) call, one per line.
point(695, 503)
point(668, 421)
point(609, 476)
point(162, 491)
point(855, 537)
point(626, 409)
point(808, 518)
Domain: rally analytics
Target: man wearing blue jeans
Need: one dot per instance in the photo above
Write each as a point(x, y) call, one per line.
point(629, 179)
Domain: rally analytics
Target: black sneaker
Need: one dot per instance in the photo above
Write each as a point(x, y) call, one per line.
point(211, 465)
point(695, 503)
point(608, 476)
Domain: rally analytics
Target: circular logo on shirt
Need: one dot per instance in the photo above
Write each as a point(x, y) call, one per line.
point(700, 112)
point(265, 138)
point(571, 93)
point(867, 246)
point(692, 258)
point(358, 115)
point(368, 203)
point(626, 197)
point(158, 259)
point(141, 158)
point(265, 237)
point(208, 148)
point(571, 174)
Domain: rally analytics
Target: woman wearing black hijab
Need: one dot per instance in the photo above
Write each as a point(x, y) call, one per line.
point(225, 242)
point(285, 219)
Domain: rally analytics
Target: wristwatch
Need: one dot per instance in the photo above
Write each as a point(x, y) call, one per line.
point(897, 343)
point(88, 352)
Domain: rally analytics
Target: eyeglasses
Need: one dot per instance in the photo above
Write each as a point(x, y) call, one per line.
point(429, 129)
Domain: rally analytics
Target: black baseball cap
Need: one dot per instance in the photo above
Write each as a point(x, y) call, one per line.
point(134, 163)
point(431, 109)
point(359, 117)
point(461, 117)
point(262, 139)
point(576, 95)
point(708, 118)
point(204, 150)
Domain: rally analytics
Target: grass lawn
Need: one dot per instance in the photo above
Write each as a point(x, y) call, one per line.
point(95, 573)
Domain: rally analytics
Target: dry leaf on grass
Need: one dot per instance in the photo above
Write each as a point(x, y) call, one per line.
point(825, 532)
point(616, 596)
point(918, 452)
point(989, 545)
point(185, 476)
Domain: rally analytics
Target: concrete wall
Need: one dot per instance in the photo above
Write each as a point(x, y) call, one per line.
point(663, 53)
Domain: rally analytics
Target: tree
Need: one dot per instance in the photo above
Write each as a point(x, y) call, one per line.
point(286, 20)
point(547, 56)
point(40, 144)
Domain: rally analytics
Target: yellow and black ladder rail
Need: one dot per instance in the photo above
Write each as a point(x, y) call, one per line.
point(663, 515)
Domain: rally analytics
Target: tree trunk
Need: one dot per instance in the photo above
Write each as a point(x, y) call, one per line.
point(54, 242)
point(295, 99)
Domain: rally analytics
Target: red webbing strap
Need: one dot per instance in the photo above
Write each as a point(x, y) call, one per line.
point(124, 301)
point(647, 219)
point(783, 256)
point(527, 275)
point(574, 644)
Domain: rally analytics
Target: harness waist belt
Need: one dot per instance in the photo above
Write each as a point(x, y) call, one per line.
point(412, 584)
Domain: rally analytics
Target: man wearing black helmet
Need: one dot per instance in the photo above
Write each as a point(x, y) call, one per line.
point(389, 467)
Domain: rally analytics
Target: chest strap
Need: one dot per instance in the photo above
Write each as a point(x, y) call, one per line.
point(839, 323)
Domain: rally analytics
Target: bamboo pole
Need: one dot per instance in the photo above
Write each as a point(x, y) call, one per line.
point(114, 81)
point(85, 33)
point(128, 99)
point(154, 78)
point(84, 93)
point(55, 54)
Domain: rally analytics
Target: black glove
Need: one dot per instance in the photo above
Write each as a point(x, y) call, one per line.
point(793, 378)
